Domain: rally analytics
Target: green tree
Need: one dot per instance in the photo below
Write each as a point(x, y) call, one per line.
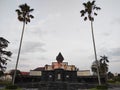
point(88, 13)
point(110, 75)
point(18, 72)
point(104, 65)
point(23, 16)
point(4, 54)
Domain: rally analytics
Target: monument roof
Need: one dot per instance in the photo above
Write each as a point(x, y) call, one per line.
point(60, 58)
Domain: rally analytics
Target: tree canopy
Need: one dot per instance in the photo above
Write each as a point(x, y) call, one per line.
point(90, 10)
point(103, 65)
point(4, 54)
point(24, 13)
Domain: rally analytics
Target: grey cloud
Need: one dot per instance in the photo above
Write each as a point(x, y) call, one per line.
point(115, 52)
point(31, 47)
point(106, 34)
point(42, 58)
point(35, 30)
point(114, 55)
point(109, 51)
point(116, 61)
point(116, 21)
point(31, 57)
point(24, 65)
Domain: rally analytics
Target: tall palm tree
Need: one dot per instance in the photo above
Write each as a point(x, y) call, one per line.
point(90, 8)
point(23, 16)
point(103, 64)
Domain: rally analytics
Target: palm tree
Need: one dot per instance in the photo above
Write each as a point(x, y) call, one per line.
point(103, 65)
point(90, 8)
point(23, 16)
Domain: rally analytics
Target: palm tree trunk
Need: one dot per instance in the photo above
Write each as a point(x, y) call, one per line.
point(18, 53)
point(95, 52)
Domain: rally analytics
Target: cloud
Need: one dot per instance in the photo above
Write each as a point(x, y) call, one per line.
point(24, 65)
point(116, 21)
point(106, 34)
point(43, 26)
point(42, 58)
point(115, 52)
point(116, 61)
point(31, 47)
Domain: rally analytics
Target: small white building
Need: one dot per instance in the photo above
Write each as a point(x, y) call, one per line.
point(83, 73)
point(37, 71)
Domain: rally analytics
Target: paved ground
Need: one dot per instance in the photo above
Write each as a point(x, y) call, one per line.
point(114, 89)
point(108, 89)
point(1, 88)
point(81, 89)
point(78, 89)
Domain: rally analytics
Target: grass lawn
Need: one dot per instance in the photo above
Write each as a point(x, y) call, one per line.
point(97, 89)
point(93, 89)
point(12, 89)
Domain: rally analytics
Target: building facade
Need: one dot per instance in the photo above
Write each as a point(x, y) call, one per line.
point(57, 71)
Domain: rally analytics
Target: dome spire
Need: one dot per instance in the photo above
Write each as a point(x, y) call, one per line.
point(59, 58)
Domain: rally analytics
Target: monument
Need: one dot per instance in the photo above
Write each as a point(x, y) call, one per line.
point(59, 71)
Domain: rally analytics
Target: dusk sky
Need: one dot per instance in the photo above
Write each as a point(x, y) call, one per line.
point(58, 27)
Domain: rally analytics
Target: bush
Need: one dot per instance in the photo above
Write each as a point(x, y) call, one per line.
point(11, 87)
point(101, 87)
point(111, 81)
point(117, 78)
point(4, 83)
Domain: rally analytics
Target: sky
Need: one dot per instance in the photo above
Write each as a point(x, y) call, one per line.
point(58, 27)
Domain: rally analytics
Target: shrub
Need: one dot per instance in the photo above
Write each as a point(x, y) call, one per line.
point(117, 78)
point(11, 87)
point(4, 83)
point(102, 87)
point(111, 81)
